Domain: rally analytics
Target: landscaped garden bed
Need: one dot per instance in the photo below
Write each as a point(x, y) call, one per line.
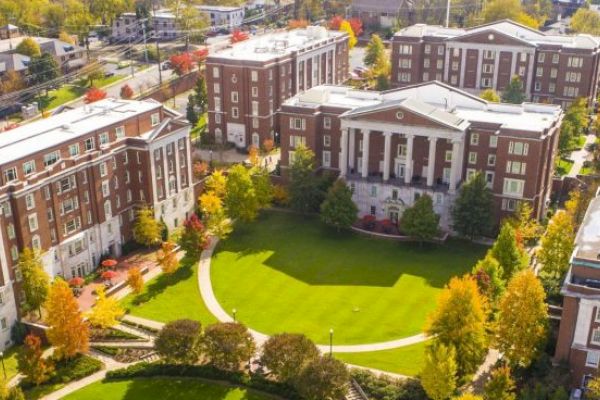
point(112, 335)
point(124, 355)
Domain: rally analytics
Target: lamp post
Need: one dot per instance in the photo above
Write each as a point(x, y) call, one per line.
point(331, 342)
point(234, 312)
point(3, 367)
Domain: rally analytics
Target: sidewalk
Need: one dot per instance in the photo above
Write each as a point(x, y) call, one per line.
point(580, 156)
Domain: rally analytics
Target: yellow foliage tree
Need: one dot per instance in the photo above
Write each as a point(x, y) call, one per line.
point(490, 95)
point(345, 27)
point(468, 396)
point(253, 156)
point(557, 244)
point(439, 371)
point(210, 203)
point(135, 280)
point(106, 312)
point(216, 183)
point(146, 230)
point(522, 319)
point(67, 330)
point(525, 225)
point(459, 322)
point(167, 258)
point(65, 37)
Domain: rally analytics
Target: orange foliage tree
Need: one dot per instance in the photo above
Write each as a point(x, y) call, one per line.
point(135, 280)
point(126, 92)
point(94, 94)
point(238, 36)
point(31, 362)
point(297, 23)
point(335, 22)
point(182, 63)
point(67, 330)
point(355, 23)
point(167, 258)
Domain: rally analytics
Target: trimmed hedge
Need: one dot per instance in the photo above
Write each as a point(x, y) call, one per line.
point(70, 370)
point(385, 388)
point(253, 381)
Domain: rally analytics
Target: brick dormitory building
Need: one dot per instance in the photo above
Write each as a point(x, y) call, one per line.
point(553, 68)
point(396, 145)
point(70, 185)
point(247, 82)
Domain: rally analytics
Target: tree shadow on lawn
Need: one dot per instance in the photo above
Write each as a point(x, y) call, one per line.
point(307, 250)
point(164, 281)
point(183, 388)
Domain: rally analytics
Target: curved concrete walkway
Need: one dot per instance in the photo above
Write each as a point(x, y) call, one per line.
point(211, 302)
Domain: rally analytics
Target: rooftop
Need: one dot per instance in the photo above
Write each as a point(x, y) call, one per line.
point(276, 44)
point(219, 8)
point(51, 132)
point(51, 45)
point(587, 242)
point(506, 27)
point(436, 100)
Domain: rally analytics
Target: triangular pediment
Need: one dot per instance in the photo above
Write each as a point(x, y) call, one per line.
point(491, 36)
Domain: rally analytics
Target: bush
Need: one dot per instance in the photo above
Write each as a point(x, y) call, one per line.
point(368, 222)
point(384, 388)
point(179, 341)
point(281, 197)
point(75, 368)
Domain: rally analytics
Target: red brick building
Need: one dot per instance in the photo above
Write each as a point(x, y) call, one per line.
point(579, 334)
point(553, 68)
point(394, 146)
point(247, 82)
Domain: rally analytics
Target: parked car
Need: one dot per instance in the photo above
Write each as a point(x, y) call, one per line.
point(166, 65)
point(360, 71)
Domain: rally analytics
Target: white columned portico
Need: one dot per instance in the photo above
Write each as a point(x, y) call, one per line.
point(344, 153)
point(387, 154)
point(431, 161)
point(455, 165)
point(479, 66)
point(365, 153)
point(351, 152)
point(408, 172)
point(529, 81)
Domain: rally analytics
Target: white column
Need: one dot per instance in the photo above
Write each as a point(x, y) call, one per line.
point(344, 155)
point(455, 165)
point(177, 170)
point(447, 65)
point(478, 70)
point(327, 67)
point(431, 161)
point(463, 65)
point(365, 153)
point(351, 152)
point(297, 76)
point(386, 154)
point(496, 66)
point(408, 171)
point(529, 81)
point(304, 85)
point(513, 64)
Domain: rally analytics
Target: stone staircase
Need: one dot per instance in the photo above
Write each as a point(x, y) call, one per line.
point(151, 357)
point(355, 392)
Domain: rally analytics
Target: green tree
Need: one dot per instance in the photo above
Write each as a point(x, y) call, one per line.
point(526, 227)
point(29, 47)
point(338, 209)
point(146, 230)
point(420, 221)
point(522, 319)
point(241, 200)
point(514, 91)
point(490, 95)
point(31, 362)
point(94, 75)
point(200, 94)
point(509, 252)
point(36, 282)
point(472, 212)
point(488, 274)
point(375, 52)
point(555, 251)
point(459, 322)
point(305, 193)
point(42, 69)
point(586, 20)
point(438, 376)
point(190, 111)
point(227, 345)
point(323, 378)
point(179, 341)
point(107, 10)
point(577, 116)
point(500, 385)
point(263, 187)
point(187, 16)
point(286, 354)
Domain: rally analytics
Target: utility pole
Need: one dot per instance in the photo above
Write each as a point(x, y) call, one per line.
point(448, 14)
point(130, 58)
point(143, 21)
point(156, 38)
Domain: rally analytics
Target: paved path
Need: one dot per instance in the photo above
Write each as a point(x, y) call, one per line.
point(206, 291)
point(580, 156)
point(143, 322)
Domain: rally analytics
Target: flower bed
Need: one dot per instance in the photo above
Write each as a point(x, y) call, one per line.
point(112, 335)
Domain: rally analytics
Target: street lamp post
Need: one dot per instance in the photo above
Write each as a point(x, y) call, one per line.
point(234, 312)
point(331, 342)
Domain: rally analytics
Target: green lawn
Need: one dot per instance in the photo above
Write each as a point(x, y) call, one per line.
point(563, 166)
point(162, 388)
point(170, 297)
point(10, 361)
point(404, 360)
point(70, 92)
point(290, 273)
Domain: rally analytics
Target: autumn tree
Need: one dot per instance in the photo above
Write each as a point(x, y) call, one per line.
point(146, 230)
point(217, 222)
point(304, 190)
point(29, 47)
point(514, 91)
point(135, 280)
point(31, 363)
point(376, 59)
point(187, 16)
point(524, 224)
point(106, 312)
point(522, 319)
point(345, 27)
point(488, 275)
point(338, 209)
point(67, 330)
point(500, 385)
point(472, 212)
point(179, 341)
point(268, 145)
point(35, 281)
point(216, 183)
point(459, 322)
point(227, 345)
point(286, 354)
point(94, 94)
point(193, 240)
point(509, 253)
point(555, 251)
point(420, 221)
point(577, 205)
point(586, 20)
point(468, 396)
point(438, 376)
point(11, 81)
point(182, 63)
point(509, 9)
point(253, 156)
point(263, 187)
point(167, 257)
point(240, 196)
point(65, 37)
point(490, 95)
point(323, 378)
point(126, 92)
point(593, 389)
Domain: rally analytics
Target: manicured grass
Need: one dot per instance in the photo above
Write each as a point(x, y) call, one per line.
point(563, 166)
point(170, 297)
point(407, 360)
point(10, 361)
point(290, 273)
point(164, 389)
point(70, 92)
